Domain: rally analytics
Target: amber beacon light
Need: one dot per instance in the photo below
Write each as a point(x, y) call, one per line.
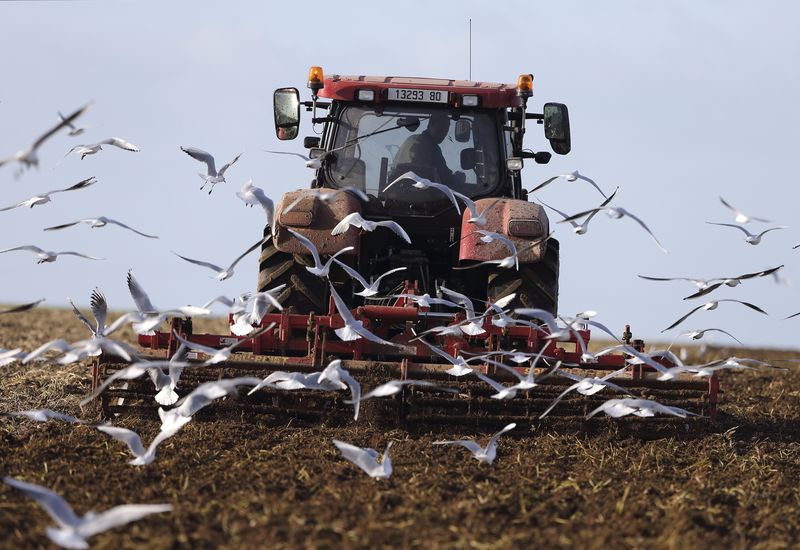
point(525, 85)
point(315, 79)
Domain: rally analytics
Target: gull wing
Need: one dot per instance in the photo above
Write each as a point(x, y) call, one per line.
point(748, 304)
point(60, 345)
point(703, 291)
point(739, 227)
point(360, 457)
point(308, 244)
point(121, 143)
point(200, 263)
point(80, 185)
point(129, 437)
point(558, 399)
point(397, 228)
point(62, 226)
point(27, 247)
point(115, 222)
point(226, 166)
point(396, 269)
point(469, 203)
point(99, 309)
point(355, 274)
point(245, 253)
point(507, 428)
point(543, 184)
point(81, 316)
point(351, 219)
point(305, 158)
point(13, 206)
point(644, 226)
point(119, 515)
point(473, 447)
point(53, 504)
point(140, 297)
point(590, 180)
point(202, 156)
point(64, 122)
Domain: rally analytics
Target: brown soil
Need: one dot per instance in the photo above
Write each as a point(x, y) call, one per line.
point(238, 482)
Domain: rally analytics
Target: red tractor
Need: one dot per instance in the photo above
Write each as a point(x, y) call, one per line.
point(379, 140)
point(467, 135)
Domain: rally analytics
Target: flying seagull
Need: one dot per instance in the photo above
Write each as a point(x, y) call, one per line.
point(220, 355)
point(44, 198)
point(327, 196)
point(367, 459)
point(73, 130)
point(222, 272)
point(583, 227)
point(93, 148)
point(47, 256)
point(45, 415)
point(28, 157)
point(394, 386)
point(639, 407)
point(708, 306)
point(353, 328)
point(212, 176)
point(252, 195)
point(101, 221)
point(72, 530)
point(751, 238)
point(586, 386)
point(355, 219)
point(423, 183)
point(319, 269)
point(572, 176)
point(741, 217)
point(486, 454)
point(22, 307)
point(313, 163)
point(144, 457)
point(616, 212)
point(370, 289)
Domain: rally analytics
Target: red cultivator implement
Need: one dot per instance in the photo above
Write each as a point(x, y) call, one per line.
point(306, 343)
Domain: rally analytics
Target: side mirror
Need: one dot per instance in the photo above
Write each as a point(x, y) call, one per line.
point(286, 104)
point(468, 160)
point(556, 127)
point(463, 130)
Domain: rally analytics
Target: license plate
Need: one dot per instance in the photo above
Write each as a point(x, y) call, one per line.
point(410, 94)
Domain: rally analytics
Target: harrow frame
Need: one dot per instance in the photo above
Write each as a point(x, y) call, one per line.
point(305, 343)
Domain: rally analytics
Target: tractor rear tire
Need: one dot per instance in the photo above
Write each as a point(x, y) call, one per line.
point(303, 293)
point(535, 285)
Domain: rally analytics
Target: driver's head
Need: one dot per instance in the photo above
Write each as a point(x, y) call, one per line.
point(439, 125)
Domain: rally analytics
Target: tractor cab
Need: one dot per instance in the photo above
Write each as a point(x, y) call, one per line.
point(466, 135)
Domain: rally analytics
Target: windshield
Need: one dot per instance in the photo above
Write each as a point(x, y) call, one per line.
point(455, 147)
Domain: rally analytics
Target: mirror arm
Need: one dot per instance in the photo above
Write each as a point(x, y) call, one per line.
point(322, 119)
point(309, 105)
point(534, 116)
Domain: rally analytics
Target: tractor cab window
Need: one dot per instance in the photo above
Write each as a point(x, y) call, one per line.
point(458, 148)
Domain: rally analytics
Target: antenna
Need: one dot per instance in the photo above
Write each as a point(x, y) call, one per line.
point(470, 48)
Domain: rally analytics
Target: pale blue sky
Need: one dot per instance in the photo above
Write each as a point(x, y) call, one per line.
point(675, 102)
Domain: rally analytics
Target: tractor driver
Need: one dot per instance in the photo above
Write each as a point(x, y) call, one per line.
point(423, 149)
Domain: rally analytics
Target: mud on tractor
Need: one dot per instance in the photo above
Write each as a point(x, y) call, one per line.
point(371, 131)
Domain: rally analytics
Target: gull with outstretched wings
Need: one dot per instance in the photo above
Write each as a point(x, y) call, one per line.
point(28, 157)
point(72, 530)
point(44, 198)
point(212, 176)
point(100, 221)
point(223, 273)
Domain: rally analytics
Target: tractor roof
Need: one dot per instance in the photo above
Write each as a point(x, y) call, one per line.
point(493, 95)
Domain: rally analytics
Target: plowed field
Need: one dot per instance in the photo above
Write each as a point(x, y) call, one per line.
point(239, 482)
